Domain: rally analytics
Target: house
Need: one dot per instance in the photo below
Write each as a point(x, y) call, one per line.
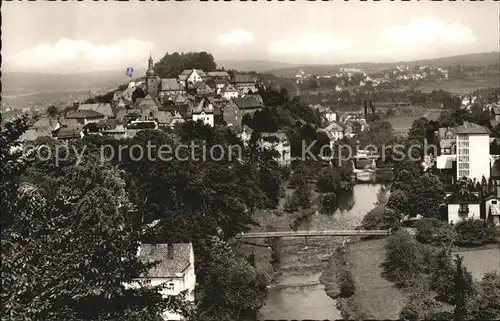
point(249, 104)
point(176, 119)
point(174, 268)
point(495, 114)
point(219, 75)
point(280, 143)
point(473, 150)
point(66, 133)
point(103, 108)
point(170, 87)
point(232, 115)
point(191, 76)
point(492, 206)
point(245, 83)
point(447, 140)
point(330, 116)
point(334, 131)
point(202, 88)
point(204, 112)
point(83, 117)
point(463, 205)
point(229, 92)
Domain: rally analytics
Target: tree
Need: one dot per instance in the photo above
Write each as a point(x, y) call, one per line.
point(443, 278)
point(485, 304)
point(86, 280)
point(463, 291)
point(302, 195)
point(233, 290)
point(418, 130)
point(328, 203)
point(52, 111)
point(426, 196)
point(171, 65)
point(329, 180)
point(404, 261)
point(398, 201)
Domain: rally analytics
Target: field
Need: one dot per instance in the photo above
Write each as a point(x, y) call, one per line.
point(405, 122)
point(459, 86)
point(375, 296)
point(481, 261)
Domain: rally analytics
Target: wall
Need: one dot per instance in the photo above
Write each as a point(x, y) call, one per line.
point(474, 212)
point(479, 146)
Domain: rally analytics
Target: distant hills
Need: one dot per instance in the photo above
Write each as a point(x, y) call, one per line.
point(486, 58)
point(15, 83)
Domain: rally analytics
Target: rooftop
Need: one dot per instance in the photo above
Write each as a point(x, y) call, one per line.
point(250, 101)
point(170, 84)
point(78, 114)
point(168, 266)
point(471, 128)
point(104, 109)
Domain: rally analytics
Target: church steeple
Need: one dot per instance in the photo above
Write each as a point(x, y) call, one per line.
point(150, 72)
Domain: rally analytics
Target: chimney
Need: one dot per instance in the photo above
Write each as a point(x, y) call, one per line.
point(170, 251)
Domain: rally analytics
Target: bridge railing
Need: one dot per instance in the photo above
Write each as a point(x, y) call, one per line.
point(314, 233)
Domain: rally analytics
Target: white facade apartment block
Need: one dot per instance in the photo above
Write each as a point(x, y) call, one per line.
point(473, 152)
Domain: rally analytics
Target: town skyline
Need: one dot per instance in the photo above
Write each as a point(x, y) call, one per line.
point(293, 33)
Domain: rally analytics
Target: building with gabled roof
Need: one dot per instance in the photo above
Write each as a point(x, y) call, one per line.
point(245, 83)
point(171, 87)
point(103, 108)
point(191, 76)
point(204, 111)
point(173, 267)
point(229, 92)
point(249, 104)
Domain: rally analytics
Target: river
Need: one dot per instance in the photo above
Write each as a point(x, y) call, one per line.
point(298, 265)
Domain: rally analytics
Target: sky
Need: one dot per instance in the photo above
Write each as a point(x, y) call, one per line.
point(68, 37)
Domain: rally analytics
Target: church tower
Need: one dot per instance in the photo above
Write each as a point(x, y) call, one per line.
point(151, 80)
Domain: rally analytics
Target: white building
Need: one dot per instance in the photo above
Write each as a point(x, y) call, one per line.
point(473, 150)
point(280, 143)
point(175, 269)
point(334, 131)
point(204, 112)
point(492, 205)
point(463, 206)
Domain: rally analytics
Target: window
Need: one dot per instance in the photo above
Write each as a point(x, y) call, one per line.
point(463, 173)
point(463, 158)
point(494, 202)
point(463, 165)
point(463, 210)
point(170, 285)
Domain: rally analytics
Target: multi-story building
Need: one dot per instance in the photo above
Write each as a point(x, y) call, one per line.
point(473, 150)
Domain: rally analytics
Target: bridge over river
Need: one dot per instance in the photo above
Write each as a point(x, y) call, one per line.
point(260, 235)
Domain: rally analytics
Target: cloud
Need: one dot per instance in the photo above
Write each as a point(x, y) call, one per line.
point(236, 37)
point(427, 34)
point(68, 55)
point(314, 44)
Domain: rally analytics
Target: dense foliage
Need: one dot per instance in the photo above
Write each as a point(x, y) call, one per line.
point(172, 65)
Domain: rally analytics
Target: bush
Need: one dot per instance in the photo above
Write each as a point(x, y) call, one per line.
point(435, 232)
point(422, 306)
point(302, 195)
point(346, 283)
point(380, 218)
point(474, 232)
point(404, 262)
point(290, 205)
point(329, 180)
point(328, 203)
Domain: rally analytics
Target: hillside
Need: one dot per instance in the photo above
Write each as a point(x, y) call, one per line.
point(18, 83)
point(254, 65)
point(477, 59)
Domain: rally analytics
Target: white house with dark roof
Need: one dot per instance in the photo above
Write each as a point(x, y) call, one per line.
point(463, 206)
point(204, 111)
point(228, 92)
point(191, 76)
point(174, 268)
